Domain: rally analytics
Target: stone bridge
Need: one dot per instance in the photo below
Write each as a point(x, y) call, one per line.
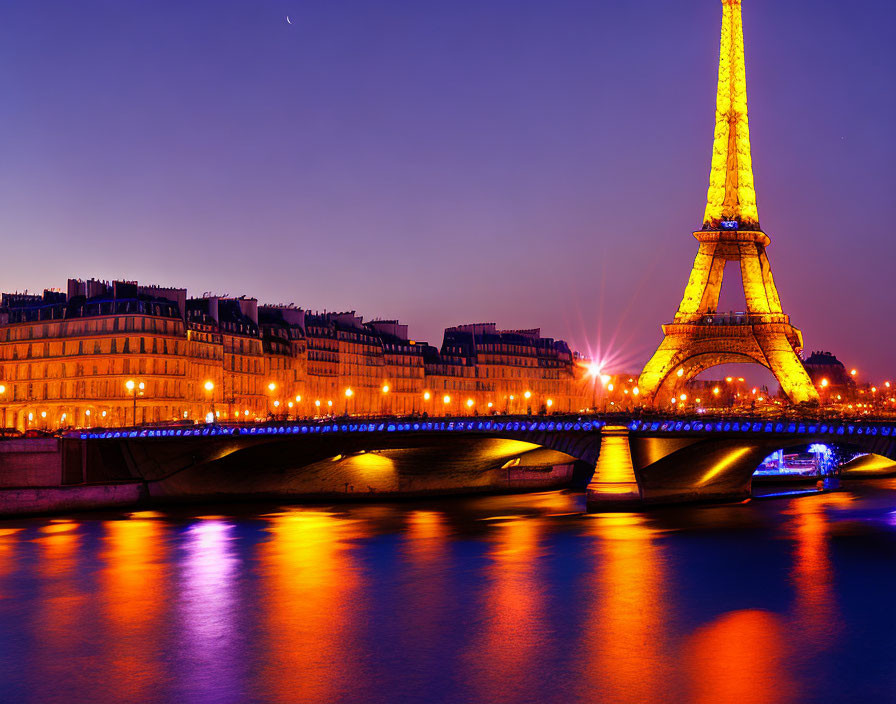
point(629, 460)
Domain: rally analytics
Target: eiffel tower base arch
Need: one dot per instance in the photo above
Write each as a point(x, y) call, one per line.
point(695, 348)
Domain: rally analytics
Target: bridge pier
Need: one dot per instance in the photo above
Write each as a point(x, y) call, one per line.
point(614, 484)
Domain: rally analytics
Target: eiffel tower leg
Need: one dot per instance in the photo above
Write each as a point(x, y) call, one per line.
point(787, 368)
point(704, 283)
point(661, 364)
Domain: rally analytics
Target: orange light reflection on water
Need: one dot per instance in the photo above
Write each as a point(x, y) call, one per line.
point(512, 630)
point(9, 543)
point(61, 605)
point(134, 582)
point(626, 653)
point(816, 618)
point(425, 590)
point(741, 657)
point(312, 607)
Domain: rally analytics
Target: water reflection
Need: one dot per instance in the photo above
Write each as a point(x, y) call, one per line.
point(313, 606)
point(512, 632)
point(741, 657)
point(506, 599)
point(815, 614)
point(625, 609)
point(135, 593)
point(425, 586)
point(9, 543)
point(208, 611)
point(61, 603)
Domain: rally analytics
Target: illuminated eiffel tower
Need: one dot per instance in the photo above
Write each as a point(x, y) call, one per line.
point(699, 337)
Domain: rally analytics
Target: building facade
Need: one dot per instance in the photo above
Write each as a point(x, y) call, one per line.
point(115, 354)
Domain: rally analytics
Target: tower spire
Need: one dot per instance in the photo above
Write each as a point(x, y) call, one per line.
point(731, 197)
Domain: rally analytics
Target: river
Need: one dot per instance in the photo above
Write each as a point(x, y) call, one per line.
point(491, 599)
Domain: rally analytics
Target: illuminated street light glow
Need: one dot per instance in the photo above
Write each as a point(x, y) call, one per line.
point(272, 386)
point(446, 399)
point(209, 386)
point(385, 388)
point(469, 403)
point(348, 394)
point(527, 395)
point(427, 395)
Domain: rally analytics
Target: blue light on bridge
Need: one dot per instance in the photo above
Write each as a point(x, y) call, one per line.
point(670, 425)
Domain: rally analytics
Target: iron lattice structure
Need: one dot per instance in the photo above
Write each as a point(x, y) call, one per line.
point(699, 337)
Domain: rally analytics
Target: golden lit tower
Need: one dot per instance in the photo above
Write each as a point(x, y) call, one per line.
point(700, 337)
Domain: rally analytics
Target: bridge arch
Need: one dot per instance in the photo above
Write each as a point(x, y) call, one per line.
point(380, 462)
point(690, 467)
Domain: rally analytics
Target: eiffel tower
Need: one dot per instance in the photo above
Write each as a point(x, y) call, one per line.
point(699, 337)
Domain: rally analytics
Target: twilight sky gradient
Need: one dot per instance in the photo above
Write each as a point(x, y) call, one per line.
point(528, 162)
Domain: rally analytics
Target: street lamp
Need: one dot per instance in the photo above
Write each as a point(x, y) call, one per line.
point(446, 399)
point(135, 388)
point(348, 394)
point(209, 387)
point(528, 395)
point(272, 387)
point(385, 391)
point(3, 393)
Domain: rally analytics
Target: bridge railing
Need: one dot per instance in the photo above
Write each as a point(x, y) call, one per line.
point(636, 423)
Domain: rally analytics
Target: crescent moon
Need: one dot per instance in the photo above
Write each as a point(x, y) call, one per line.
point(288, 21)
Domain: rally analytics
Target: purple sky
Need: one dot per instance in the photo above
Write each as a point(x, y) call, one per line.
point(527, 162)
